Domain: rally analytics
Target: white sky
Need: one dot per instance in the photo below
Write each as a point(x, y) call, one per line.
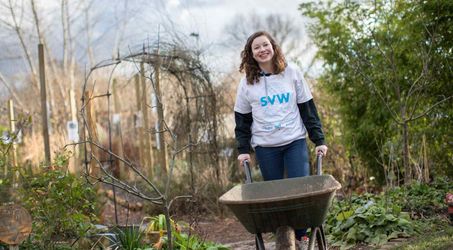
point(209, 17)
point(204, 17)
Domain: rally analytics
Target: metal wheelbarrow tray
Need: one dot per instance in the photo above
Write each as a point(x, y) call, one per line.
point(297, 202)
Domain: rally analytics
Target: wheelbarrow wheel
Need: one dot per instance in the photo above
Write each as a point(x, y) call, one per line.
point(285, 238)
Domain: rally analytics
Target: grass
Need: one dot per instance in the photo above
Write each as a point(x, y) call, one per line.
point(437, 239)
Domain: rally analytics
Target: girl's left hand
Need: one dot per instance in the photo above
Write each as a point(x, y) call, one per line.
point(321, 149)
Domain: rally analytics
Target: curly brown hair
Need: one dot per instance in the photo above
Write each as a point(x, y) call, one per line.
point(251, 67)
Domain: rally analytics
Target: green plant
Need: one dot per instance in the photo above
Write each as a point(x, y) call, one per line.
point(185, 241)
point(366, 219)
point(421, 198)
point(159, 224)
point(5, 168)
point(129, 238)
point(62, 205)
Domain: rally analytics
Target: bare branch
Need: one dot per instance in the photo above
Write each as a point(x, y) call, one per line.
point(429, 109)
point(11, 91)
point(20, 36)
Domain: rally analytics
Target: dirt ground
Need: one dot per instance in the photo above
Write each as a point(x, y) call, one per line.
point(227, 231)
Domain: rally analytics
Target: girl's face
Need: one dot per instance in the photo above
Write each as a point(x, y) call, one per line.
point(262, 50)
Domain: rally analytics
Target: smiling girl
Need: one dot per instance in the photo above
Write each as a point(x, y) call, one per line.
point(274, 112)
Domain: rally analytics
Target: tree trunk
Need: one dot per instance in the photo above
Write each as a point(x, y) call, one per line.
point(406, 164)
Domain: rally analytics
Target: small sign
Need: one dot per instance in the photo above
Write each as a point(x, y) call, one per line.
point(19, 137)
point(6, 139)
point(73, 131)
point(15, 224)
point(116, 118)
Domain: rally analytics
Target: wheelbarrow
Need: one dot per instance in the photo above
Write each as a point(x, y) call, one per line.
point(300, 202)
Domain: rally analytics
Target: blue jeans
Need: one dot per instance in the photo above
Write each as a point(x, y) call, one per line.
point(274, 160)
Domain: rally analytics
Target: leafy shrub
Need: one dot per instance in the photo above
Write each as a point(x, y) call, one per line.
point(62, 205)
point(6, 173)
point(366, 219)
point(375, 219)
point(421, 198)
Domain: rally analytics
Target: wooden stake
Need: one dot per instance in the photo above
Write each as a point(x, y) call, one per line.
point(45, 124)
point(12, 128)
point(91, 120)
point(147, 150)
point(116, 101)
point(140, 128)
point(72, 105)
point(425, 161)
point(160, 117)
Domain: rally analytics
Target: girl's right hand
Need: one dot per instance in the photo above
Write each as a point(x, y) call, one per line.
point(243, 157)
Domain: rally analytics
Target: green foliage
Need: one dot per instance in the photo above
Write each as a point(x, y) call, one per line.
point(388, 63)
point(420, 198)
point(375, 219)
point(5, 164)
point(182, 240)
point(129, 238)
point(159, 224)
point(62, 205)
point(366, 219)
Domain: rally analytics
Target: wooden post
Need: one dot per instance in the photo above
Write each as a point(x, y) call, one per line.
point(140, 120)
point(93, 136)
point(160, 117)
point(425, 161)
point(116, 101)
point(45, 128)
point(12, 128)
point(147, 150)
point(72, 105)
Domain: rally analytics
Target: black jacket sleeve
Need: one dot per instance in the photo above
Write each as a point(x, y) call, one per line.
point(243, 131)
point(311, 121)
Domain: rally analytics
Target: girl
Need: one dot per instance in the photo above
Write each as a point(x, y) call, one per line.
point(274, 110)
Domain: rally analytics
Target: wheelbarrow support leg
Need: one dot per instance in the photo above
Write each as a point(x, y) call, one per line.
point(320, 239)
point(323, 236)
point(317, 234)
point(259, 242)
point(311, 243)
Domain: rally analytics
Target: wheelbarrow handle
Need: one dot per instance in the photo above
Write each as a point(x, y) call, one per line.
point(319, 163)
point(248, 172)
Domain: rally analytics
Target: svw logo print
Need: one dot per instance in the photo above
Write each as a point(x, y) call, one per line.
point(281, 98)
